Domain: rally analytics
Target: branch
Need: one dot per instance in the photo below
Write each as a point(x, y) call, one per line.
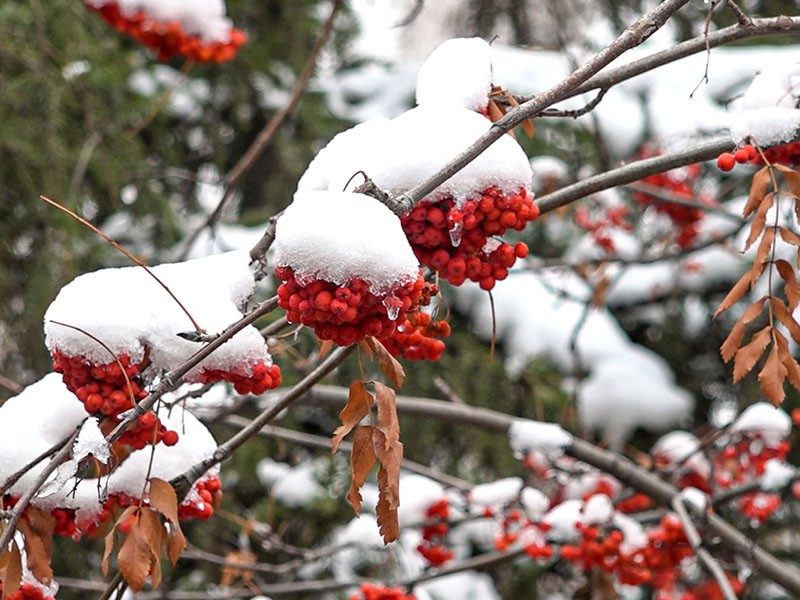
point(183, 482)
point(643, 28)
point(614, 464)
point(266, 134)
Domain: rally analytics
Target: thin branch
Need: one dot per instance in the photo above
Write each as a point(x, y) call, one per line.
point(183, 482)
point(668, 197)
point(13, 478)
point(642, 29)
point(265, 136)
point(554, 112)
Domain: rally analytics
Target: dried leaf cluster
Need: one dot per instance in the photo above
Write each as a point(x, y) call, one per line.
point(36, 528)
point(779, 365)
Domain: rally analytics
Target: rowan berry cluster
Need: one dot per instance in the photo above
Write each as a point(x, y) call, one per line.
point(256, 380)
point(209, 495)
point(27, 591)
point(432, 549)
point(416, 339)
point(455, 241)
point(348, 313)
point(600, 224)
point(680, 184)
point(168, 39)
point(747, 153)
point(378, 592)
point(785, 154)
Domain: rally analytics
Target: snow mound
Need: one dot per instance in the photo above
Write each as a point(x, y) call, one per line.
point(337, 236)
point(129, 313)
point(768, 126)
point(777, 85)
point(764, 419)
point(682, 447)
point(203, 18)
point(526, 435)
point(496, 494)
point(457, 73)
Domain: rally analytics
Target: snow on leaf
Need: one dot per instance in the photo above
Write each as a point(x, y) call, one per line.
point(772, 376)
point(135, 558)
point(359, 403)
point(791, 289)
point(362, 459)
point(387, 413)
point(747, 356)
point(389, 364)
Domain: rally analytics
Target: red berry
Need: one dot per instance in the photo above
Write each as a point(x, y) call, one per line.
point(170, 438)
point(741, 155)
point(726, 161)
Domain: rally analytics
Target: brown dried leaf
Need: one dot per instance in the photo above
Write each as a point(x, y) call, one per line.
point(362, 459)
point(176, 543)
point(389, 486)
point(527, 124)
point(325, 346)
point(11, 572)
point(759, 220)
point(735, 337)
point(784, 316)
point(163, 498)
point(359, 403)
point(364, 345)
point(772, 376)
point(153, 531)
point(600, 292)
point(758, 189)
point(747, 356)
point(736, 293)
point(36, 551)
point(135, 558)
point(155, 573)
point(231, 573)
point(791, 289)
point(791, 177)
point(761, 255)
point(792, 368)
point(109, 548)
point(788, 236)
point(387, 413)
point(388, 363)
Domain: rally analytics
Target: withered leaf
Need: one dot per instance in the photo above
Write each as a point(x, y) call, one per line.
point(791, 287)
point(388, 363)
point(735, 337)
point(37, 551)
point(791, 177)
point(11, 572)
point(391, 460)
point(759, 220)
point(792, 367)
point(772, 376)
point(364, 345)
point(600, 292)
point(324, 347)
point(758, 189)
point(108, 549)
point(784, 316)
point(176, 543)
point(163, 498)
point(527, 124)
point(736, 293)
point(152, 530)
point(789, 236)
point(362, 459)
point(747, 356)
point(135, 558)
point(387, 413)
point(761, 255)
point(359, 404)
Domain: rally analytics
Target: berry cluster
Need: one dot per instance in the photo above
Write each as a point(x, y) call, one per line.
point(416, 339)
point(256, 380)
point(210, 495)
point(109, 390)
point(785, 154)
point(601, 225)
point(432, 549)
point(169, 39)
point(378, 592)
point(678, 183)
point(455, 241)
point(27, 591)
point(348, 313)
point(747, 153)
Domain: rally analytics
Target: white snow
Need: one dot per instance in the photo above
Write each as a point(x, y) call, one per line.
point(764, 419)
point(91, 440)
point(768, 126)
point(535, 503)
point(695, 498)
point(203, 18)
point(337, 236)
point(526, 435)
point(496, 494)
point(293, 486)
point(457, 73)
point(682, 447)
point(597, 510)
point(778, 84)
point(562, 520)
point(777, 475)
point(467, 585)
point(128, 311)
point(635, 536)
point(418, 493)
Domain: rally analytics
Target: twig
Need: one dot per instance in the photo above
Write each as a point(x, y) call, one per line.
point(8, 483)
point(25, 499)
point(259, 252)
point(266, 134)
point(668, 197)
point(553, 112)
point(182, 483)
point(11, 385)
point(696, 542)
point(274, 327)
point(446, 390)
point(111, 587)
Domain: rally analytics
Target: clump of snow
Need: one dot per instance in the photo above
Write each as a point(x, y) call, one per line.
point(633, 532)
point(562, 520)
point(466, 585)
point(128, 311)
point(768, 126)
point(777, 475)
point(764, 419)
point(597, 509)
point(682, 447)
point(91, 440)
point(418, 493)
point(526, 435)
point(457, 73)
point(203, 18)
point(777, 85)
point(496, 494)
point(548, 172)
point(695, 497)
point(535, 503)
point(293, 486)
point(337, 236)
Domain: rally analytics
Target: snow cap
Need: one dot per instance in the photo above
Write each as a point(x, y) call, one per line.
point(457, 73)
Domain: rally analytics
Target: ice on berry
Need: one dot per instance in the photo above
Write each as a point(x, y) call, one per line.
point(340, 236)
point(126, 312)
point(457, 73)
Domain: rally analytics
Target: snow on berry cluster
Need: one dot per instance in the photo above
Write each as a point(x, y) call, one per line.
point(28, 591)
point(415, 338)
point(680, 184)
point(197, 30)
point(785, 154)
point(256, 379)
point(346, 267)
point(602, 223)
point(367, 591)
